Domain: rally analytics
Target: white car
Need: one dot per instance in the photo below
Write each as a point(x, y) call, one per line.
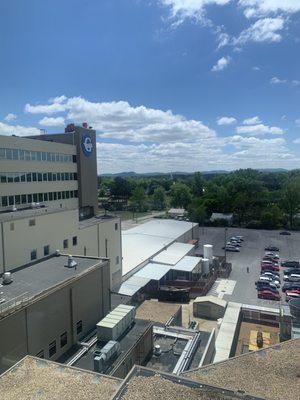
point(273, 255)
point(263, 278)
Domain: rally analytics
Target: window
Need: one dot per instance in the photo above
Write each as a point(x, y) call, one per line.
point(33, 255)
point(9, 154)
point(46, 250)
point(40, 354)
point(28, 176)
point(52, 348)
point(35, 197)
point(79, 327)
point(3, 178)
point(17, 199)
point(74, 240)
point(117, 260)
point(41, 197)
point(23, 177)
point(34, 176)
point(11, 200)
point(50, 194)
point(65, 244)
point(45, 177)
point(116, 226)
point(4, 201)
point(12, 226)
point(40, 177)
point(63, 339)
point(23, 199)
point(45, 196)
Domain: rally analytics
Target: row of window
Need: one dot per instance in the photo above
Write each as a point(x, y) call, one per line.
point(27, 155)
point(9, 177)
point(63, 342)
point(37, 197)
point(33, 253)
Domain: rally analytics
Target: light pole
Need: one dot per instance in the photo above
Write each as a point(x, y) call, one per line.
point(225, 242)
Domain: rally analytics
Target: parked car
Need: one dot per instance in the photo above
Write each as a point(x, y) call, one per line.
point(275, 273)
point(291, 271)
point(232, 243)
point(271, 275)
point(235, 239)
point(290, 286)
point(267, 287)
point(269, 267)
point(290, 264)
point(240, 237)
point(271, 248)
point(272, 254)
point(231, 248)
point(269, 258)
point(260, 284)
point(268, 279)
point(290, 295)
point(268, 295)
point(284, 233)
point(292, 278)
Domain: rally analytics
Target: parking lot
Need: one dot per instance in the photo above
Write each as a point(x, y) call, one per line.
point(241, 285)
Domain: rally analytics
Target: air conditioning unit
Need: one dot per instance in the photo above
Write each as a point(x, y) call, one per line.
point(7, 278)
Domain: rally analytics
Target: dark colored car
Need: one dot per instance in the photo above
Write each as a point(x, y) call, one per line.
point(290, 286)
point(291, 271)
point(268, 295)
point(290, 264)
point(271, 248)
point(284, 233)
point(264, 286)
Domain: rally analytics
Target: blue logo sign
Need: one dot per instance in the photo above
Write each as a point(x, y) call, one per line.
point(87, 145)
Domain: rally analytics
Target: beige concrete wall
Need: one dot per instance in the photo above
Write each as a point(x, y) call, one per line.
point(13, 340)
point(32, 329)
point(49, 229)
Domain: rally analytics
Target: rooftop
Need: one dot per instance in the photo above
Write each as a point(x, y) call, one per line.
point(272, 373)
point(34, 279)
point(211, 299)
point(145, 241)
point(154, 386)
point(95, 220)
point(173, 254)
point(127, 341)
point(157, 311)
point(30, 212)
point(34, 378)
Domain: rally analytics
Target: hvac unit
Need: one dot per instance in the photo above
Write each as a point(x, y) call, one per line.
point(102, 357)
point(115, 323)
point(7, 278)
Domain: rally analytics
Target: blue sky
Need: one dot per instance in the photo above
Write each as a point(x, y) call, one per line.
point(168, 84)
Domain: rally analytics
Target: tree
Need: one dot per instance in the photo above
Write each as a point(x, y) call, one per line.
point(138, 199)
point(197, 212)
point(291, 200)
point(159, 199)
point(121, 188)
point(197, 184)
point(180, 195)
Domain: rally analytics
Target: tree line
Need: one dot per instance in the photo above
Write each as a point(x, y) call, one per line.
point(256, 199)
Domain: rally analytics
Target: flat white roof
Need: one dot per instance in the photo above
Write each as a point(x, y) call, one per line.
point(211, 299)
point(187, 263)
point(145, 241)
point(133, 285)
point(153, 271)
point(173, 254)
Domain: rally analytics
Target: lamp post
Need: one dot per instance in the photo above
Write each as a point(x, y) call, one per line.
point(225, 242)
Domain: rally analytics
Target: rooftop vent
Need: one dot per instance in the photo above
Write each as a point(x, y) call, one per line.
point(157, 350)
point(7, 278)
point(85, 125)
point(70, 128)
point(71, 262)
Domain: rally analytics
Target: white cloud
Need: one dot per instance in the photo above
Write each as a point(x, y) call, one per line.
point(263, 30)
point(252, 121)
point(256, 69)
point(50, 121)
point(143, 139)
point(226, 121)
point(195, 9)
point(119, 120)
point(223, 39)
point(221, 64)
point(296, 141)
point(255, 8)
point(52, 108)
point(277, 81)
point(259, 129)
point(18, 130)
point(10, 117)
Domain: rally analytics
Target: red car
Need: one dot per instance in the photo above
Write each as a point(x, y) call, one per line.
point(270, 267)
point(268, 295)
point(296, 291)
point(271, 259)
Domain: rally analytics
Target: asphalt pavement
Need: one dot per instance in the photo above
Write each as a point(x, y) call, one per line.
point(250, 255)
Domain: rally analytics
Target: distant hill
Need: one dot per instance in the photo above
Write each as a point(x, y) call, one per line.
point(132, 173)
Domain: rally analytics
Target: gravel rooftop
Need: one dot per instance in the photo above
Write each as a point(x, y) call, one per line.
point(158, 388)
point(34, 378)
point(272, 373)
point(156, 311)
